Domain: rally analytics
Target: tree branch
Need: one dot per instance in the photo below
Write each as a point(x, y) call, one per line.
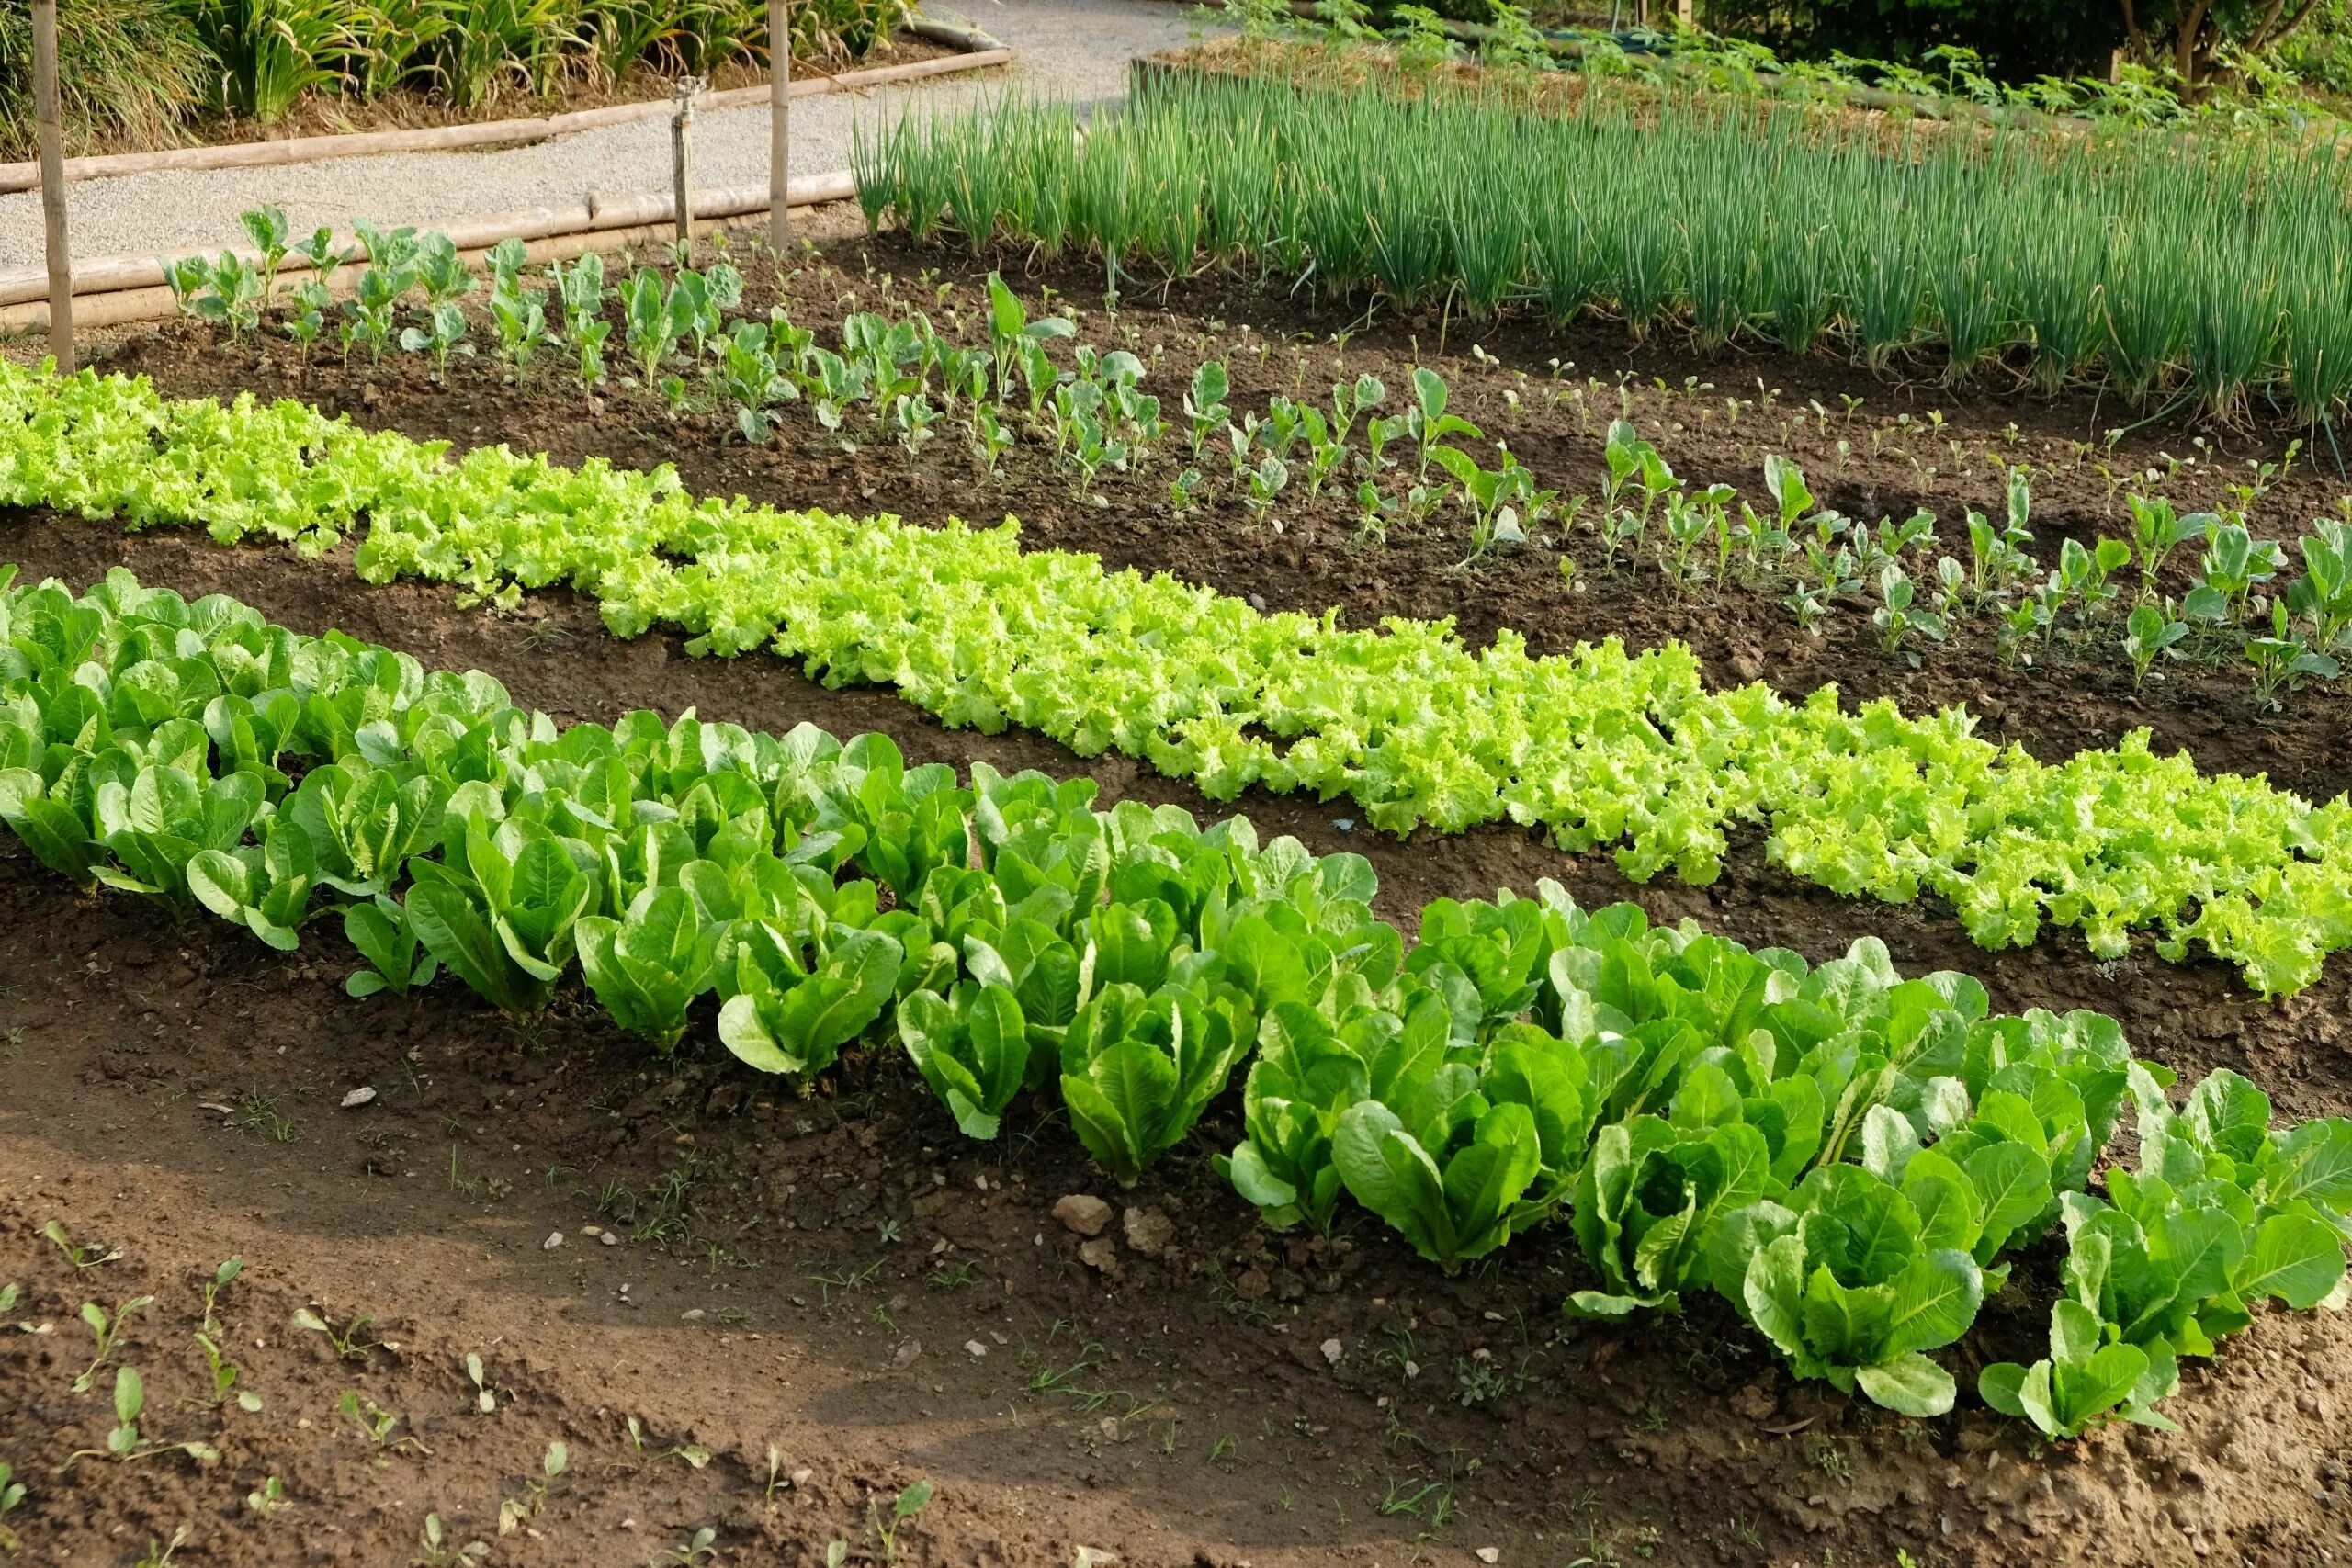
point(2192, 22)
point(2297, 20)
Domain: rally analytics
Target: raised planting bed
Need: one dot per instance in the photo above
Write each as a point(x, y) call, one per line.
point(391, 1410)
point(1233, 1432)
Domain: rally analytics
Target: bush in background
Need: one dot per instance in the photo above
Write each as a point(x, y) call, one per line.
point(138, 73)
point(130, 70)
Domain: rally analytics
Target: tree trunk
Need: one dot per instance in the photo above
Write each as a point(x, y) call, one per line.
point(2185, 51)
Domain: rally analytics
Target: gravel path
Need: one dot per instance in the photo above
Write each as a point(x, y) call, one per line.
point(1069, 48)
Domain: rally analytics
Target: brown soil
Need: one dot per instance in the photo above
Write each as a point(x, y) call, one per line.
point(1203, 1423)
point(2076, 693)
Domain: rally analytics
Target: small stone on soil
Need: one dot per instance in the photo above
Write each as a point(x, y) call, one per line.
point(553, 1241)
point(905, 1356)
point(1490, 1554)
point(358, 1097)
point(1083, 1213)
point(1333, 1350)
point(1148, 1231)
point(974, 1349)
point(1102, 1253)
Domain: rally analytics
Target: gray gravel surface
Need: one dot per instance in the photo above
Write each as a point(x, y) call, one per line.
point(1069, 48)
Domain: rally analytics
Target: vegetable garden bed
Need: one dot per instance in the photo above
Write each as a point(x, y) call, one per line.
point(1264, 1435)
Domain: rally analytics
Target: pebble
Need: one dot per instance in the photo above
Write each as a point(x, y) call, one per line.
point(553, 1241)
point(1150, 1231)
point(1489, 1554)
point(907, 1354)
point(609, 1239)
point(1082, 1213)
point(974, 1349)
point(1333, 1350)
point(358, 1097)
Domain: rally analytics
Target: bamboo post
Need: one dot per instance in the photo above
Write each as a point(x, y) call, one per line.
point(779, 124)
point(682, 161)
point(52, 183)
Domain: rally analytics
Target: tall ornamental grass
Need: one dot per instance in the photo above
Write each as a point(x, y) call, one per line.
point(2221, 269)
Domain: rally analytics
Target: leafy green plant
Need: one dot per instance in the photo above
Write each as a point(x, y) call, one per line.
point(500, 913)
point(1015, 340)
point(12, 1497)
point(1205, 410)
point(440, 333)
point(225, 1376)
point(748, 372)
point(1899, 614)
point(125, 1441)
point(185, 277)
point(233, 295)
point(911, 1500)
point(2284, 659)
point(649, 324)
point(582, 293)
point(267, 227)
point(108, 1328)
point(2321, 597)
point(368, 313)
point(647, 966)
point(271, 52)
point(349, 1342)
point(1856, 1290)
point(1137, 1069)
point(972, 1049)
point(2149, 633)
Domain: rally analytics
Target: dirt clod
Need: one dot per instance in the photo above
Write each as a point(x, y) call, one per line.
point(1082, 1213)
point(1148, 1231)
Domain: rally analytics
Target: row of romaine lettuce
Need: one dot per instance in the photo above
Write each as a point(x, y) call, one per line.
point(1847, 1156)
point(1602, 748)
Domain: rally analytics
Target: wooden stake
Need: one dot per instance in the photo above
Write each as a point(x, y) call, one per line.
point(682, 161)
point(779, 123)
point(52, 183)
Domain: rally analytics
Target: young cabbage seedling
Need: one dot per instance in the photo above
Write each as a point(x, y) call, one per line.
point(234, 298)
point(2283, 659)
point(1204, 406)
point(124, 1440)
point(108, 1328)
point(484, 1401)
point(320, 250)
point(12, 1495)
point(268, 228)
point(225, 1374)
point(350, 1341)
point(442, 333)
point(514, 1513)
point(306, 320)
point(436, 1549)
point(187, 278)
point(82, 1255)
point(2150, 631)
point(908, 1503)
point(1898, 614)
